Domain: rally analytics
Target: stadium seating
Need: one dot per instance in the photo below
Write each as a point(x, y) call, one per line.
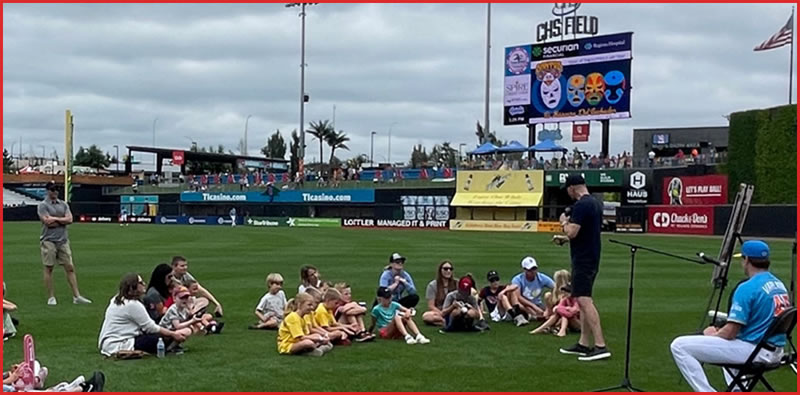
point(14, 199)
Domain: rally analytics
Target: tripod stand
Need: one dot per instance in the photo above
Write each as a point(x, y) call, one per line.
point(626, 383)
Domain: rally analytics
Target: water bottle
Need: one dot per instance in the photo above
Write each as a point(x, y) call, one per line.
point(160, 348)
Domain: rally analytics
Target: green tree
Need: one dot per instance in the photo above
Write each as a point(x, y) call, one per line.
point(337, 140)
point(444, 155)
point(320, 130)
point(294, 153)
point(8, 163)
point(276, 146)
point(92, 157)
point(356, 162)
point(485, 136)
point(419, 157)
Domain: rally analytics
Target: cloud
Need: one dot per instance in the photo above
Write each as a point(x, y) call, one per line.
point(415, 68)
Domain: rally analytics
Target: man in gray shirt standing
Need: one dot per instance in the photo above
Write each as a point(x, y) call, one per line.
point(54, 242)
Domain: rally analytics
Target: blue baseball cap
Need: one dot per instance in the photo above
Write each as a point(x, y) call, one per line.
point(756, 249)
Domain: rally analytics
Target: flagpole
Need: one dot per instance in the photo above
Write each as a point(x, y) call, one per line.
point(791, 61)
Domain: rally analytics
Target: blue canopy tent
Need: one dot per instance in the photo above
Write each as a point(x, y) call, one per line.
point(513, 146)
point(485, 149)
point(547, 146)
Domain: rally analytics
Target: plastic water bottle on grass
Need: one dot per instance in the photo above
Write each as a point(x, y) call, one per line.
point(160, 349)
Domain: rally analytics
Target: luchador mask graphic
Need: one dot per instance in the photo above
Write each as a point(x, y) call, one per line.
point(549, 73)
point(575, 94)
point(615, 86)
point(595, 88)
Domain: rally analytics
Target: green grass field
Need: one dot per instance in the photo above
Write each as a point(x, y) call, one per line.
point(233, 264)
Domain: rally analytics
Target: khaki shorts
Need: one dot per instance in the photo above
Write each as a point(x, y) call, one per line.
point(53, 253)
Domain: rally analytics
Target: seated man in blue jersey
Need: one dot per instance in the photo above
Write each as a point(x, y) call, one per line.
point(756, 304)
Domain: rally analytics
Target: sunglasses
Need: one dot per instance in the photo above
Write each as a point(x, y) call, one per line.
point(493, 279)
point(399, 262)
point(447, 269)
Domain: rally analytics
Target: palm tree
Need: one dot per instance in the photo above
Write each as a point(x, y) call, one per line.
point(320, 130)
point(337, 140)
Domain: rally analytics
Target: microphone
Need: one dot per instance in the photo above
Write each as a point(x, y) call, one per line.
point(710, 260)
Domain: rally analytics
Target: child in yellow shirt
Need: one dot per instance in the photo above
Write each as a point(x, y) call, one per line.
point(294, 333)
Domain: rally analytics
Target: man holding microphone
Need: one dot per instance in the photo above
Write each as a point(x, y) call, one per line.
point(582, 226)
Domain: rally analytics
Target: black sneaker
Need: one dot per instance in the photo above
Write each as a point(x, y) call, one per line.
point(596, 354)
point(96, 384)
point(577, 349)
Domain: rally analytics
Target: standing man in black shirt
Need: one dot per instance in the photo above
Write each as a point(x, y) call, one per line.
point(583, 226)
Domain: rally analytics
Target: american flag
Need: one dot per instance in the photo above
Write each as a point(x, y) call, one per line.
point(779, 39)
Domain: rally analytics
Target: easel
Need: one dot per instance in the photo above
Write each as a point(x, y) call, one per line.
point(733, 233)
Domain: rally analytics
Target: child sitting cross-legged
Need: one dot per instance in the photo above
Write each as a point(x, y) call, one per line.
point(336, 335)
point(565, 314)
point(395, 321)
point(270, 309)
point(294, 333)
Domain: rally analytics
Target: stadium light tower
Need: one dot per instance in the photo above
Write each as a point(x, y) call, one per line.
point(302, 147)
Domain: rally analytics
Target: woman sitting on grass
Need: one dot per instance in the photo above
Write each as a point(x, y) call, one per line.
point(294, 333)
point(309, 278)
point(435, 293)
point(158, 291)
point(395, 321)
point(127, 327)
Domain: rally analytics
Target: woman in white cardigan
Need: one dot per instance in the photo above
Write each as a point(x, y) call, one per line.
point(128, 327)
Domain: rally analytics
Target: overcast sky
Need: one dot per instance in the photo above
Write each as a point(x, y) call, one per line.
point(415, 68)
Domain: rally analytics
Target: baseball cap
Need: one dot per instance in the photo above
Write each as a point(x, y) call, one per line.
point(181, 292)
point(529, 263)
point(492, 276)
point(465, 284)
point(384, 292)
point(573, 180)
point(51, 186)
point(754, 249)
point(396, 257)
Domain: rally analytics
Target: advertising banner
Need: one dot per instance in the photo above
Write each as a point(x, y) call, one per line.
point(196, 220)
point(573, 80)
point(177, 158)
point(631, 219)
point(689, 220)
point(140, 220)
point(314, 222)
point(291, 196)
point(268, 222)
point(638, 187)
point(594, 178)
point(393, 223)
point(695, 190)
point(517, 188)
point(494, 226)
point(549, 227)
point(580, 132)
point(102, 219)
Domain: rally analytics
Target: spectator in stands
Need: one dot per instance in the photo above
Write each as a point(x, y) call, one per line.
point(180, 271)
point(309, 278)
point(54, 242)
point(9, 327)
point(397, 281)
point(127, 327)
point(436, 292)
point(158, 292)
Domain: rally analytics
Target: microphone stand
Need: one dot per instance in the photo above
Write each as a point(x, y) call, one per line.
point(626, 383)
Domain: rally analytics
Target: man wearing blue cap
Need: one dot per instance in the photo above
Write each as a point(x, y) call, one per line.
point(756, 304)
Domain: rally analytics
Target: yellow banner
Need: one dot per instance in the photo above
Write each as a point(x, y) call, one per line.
point(494, 226)
point(550, 227)
point(499, 188)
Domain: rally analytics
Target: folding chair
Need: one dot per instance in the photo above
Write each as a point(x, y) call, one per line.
point(746, 376)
